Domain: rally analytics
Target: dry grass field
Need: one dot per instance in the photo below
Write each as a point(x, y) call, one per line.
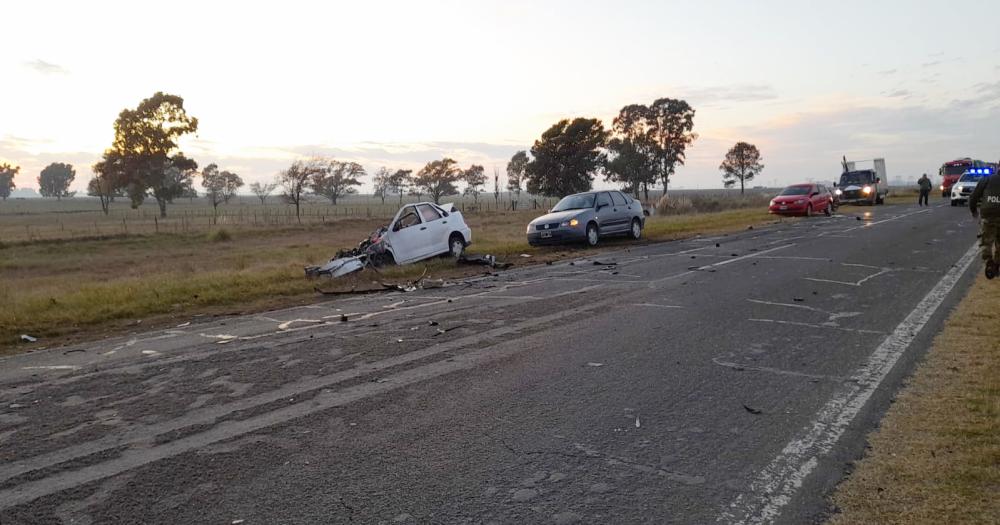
point(64, 283)
point(936, 457)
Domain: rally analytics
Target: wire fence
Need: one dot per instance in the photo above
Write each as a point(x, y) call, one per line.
point(36, 219)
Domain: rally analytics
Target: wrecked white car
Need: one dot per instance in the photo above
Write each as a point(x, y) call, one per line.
point(423, 230)
point(417, 232)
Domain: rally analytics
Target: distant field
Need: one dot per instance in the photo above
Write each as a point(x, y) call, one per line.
point(65, 281)
point(81, 217)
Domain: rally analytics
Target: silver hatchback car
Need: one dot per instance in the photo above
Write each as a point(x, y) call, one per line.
point(586, 217)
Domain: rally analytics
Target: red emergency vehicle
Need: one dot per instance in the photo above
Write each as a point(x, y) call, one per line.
point(950, 172)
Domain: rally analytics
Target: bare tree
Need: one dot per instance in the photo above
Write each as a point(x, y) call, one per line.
point(496, 186)
point(382, 183)
point(100, 186)
point(516, 169)
point(220, 186)
point(475, 178)
point(399, 182)
point(295, 181)
point(263, 190)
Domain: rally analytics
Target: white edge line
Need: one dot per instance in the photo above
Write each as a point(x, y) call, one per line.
point(778, 482)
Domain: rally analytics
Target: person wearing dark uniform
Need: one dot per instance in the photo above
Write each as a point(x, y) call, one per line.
point(925, 190)
point(985, 202)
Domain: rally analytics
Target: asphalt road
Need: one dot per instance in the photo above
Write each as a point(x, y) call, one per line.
point(728, 379)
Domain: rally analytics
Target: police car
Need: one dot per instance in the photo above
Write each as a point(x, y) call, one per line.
point(962, 189)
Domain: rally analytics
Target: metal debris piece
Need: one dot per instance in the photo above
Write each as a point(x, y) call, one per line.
point(28, 339)
point(483, 260)
point(337, 267)
point(753, 410)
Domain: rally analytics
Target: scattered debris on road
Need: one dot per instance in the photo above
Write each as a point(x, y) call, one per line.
point(483, 260)
point(753, 410)
point(28, 339)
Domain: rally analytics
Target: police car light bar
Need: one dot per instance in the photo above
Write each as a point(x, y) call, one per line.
point(979, 171)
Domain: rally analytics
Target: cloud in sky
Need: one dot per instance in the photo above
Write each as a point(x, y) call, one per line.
point(901, 93)
point(45, 68)
point(723, 94)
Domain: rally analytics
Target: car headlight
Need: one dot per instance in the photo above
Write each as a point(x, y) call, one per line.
point(570, 223)
point(838, 192)
point(800, 201)
point(772, 203)
point(530, 226)
point(942, 187)
point(866, 190)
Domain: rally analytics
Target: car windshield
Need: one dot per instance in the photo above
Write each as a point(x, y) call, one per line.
point(575, 202)
point(795, 190)
point(971, 177)
point(854, 177)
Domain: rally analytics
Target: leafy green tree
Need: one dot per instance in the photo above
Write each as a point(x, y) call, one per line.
point(7, 186)
point(263, 190)
point(55, 179)
point(474, 178)
point(337, 179)
point(567, 157)
point(399, 181)
point(516, 170)
point(437, 179)
point(742, 164)
point(220, 186)
point(631, 151)
point(670, 122)
point(145, 153)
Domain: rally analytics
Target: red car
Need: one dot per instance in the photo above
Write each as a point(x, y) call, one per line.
point(803, 199)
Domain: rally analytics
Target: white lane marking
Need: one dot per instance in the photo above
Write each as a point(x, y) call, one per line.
point(873, 223)
point(796, 258)
point(714, 265)
point(51, 367)
point(653, 305)
point(883, 271)
point(778, 482)
point(786, 305)
point(812, 325)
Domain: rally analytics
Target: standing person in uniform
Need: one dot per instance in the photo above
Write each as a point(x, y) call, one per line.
point(925, 190)
point(988, 192)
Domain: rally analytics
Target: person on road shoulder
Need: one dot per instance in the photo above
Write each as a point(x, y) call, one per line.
point(925, 190)
point(985, 202)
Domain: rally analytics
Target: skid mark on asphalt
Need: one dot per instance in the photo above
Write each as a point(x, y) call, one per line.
point(818, 326)
point(780, 480)
point(324, 400)
point(832, 317)
point(753, 368)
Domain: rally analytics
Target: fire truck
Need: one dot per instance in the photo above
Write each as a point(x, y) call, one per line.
point(950, 172)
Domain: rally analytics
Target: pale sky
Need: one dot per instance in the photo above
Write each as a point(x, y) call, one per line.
point(400, 83)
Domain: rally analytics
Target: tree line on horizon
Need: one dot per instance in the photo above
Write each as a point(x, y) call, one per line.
point(641, 150)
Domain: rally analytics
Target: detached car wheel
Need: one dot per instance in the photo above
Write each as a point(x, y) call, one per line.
point(593, 237)
point(636, 230)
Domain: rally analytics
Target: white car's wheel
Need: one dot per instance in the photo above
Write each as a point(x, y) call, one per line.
point(456, 245)
point(636, 229)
